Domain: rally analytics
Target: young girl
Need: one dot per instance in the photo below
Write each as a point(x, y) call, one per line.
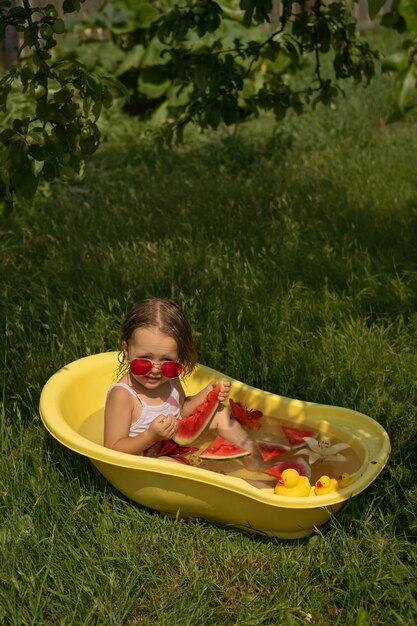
point(143, 407)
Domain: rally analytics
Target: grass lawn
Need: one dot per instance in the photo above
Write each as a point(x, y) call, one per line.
point(292, 249)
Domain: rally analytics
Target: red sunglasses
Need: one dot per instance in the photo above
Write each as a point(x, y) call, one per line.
point(169, 369)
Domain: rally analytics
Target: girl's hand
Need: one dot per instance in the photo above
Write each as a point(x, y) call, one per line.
point(163, 427)
point(225, 386)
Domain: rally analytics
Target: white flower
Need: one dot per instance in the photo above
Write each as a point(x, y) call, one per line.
point(322, 449)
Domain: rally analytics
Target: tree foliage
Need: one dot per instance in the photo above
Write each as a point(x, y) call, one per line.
point(217, 78)
point(403, 18)
point(54, 129)
point(207, 62)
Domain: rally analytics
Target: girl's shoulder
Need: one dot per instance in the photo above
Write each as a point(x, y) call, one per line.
point(121, 392)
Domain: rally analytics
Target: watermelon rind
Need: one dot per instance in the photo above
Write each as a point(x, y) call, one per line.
point(297, 463)
point(192, 427)
point(295, 436)
point(222, 450)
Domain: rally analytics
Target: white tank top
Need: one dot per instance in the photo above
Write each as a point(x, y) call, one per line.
point(171, 406)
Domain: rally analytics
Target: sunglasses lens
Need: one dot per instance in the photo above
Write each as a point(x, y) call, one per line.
point(140, 367)
point(171, 369)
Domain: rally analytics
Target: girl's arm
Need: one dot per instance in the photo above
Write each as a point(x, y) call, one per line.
point(192, 402)
point(117, 420)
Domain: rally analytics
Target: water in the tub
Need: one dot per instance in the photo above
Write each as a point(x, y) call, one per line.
point(320, 453)
point(298, 446)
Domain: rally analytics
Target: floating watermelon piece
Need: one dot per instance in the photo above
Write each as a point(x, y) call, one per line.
point(299, 464)
point(271, 450)
point(222, 450)
point(190, 428)
point(246, 417)
point(295, 436)
point(168, 448)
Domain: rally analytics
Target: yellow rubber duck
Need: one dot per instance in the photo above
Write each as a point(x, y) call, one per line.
point(344, 480)
point(292, 484)
point(325, 485)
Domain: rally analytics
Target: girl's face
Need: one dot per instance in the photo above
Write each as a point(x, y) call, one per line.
point(152, 344)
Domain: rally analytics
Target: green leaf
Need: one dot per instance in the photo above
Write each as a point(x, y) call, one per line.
point(116, 85)
point(62, 95)
point(18, 152)
point(96, 110)
point(406, 88)
point(17, 11)
point(293, 52)
point(49, 112)
point(229, 109)
point(76, 163)
point(154, 54)
point(200, 76)
point(4, 93)
point(6, 134)
point(374, 6)
point(26, 75)
point(36, 152)
point(281, 64)
point(271, 51)
point(397, 61)
point(25, 183)
point(154, 82)
point(394, 20)
point(132, 59)
point(87, 103)
point(50, 171)
point(177, 97)
point(69, 6)
point(89, 145)
point(107, 99)
point(145, 15)
point(95, 88)
point(408, 9)
point(248, 7)
point(60, 131)
point(73, 137)
point(213, 115)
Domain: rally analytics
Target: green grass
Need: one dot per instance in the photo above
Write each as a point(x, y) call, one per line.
point(292, 249)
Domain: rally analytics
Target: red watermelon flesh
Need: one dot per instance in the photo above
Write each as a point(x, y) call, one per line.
point(168, 448)
point(190, 428)
point(222, 450)
point(301, 465)
point(295, 436)
point(271, 450)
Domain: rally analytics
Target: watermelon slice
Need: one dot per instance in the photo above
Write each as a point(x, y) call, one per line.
point(303, 468)
point(190, 428)
point(222, 450)
point(168, 448)
point(271, 450)
point(295, 436)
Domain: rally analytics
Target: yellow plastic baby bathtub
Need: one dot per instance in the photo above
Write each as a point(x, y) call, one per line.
point(71, 407)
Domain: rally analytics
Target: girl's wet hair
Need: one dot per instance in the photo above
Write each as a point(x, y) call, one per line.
point(168, 318)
